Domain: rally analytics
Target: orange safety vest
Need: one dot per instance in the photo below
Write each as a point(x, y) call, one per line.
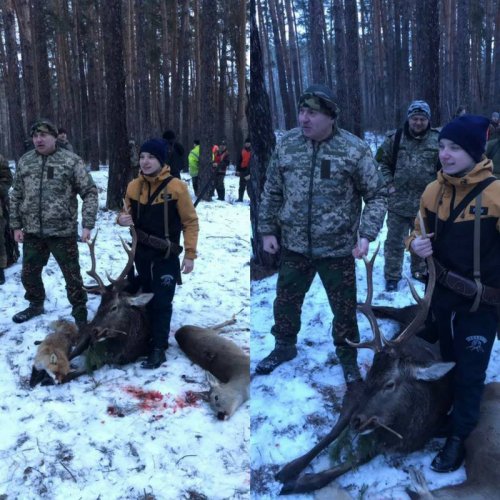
point(245, 158)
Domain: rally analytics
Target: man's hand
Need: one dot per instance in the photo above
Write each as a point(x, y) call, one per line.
point(187, 265)
point(361, 248)
point(125, 220)
point(18, 235)
point(422, 246)
point(270, 244)
point(85, 235)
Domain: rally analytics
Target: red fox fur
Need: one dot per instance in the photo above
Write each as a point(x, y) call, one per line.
point(53, 352)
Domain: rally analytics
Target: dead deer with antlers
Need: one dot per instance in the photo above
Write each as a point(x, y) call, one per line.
point(402, 403)
point(120, 330)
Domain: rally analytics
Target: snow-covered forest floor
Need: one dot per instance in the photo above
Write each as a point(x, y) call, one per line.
point(125, 432)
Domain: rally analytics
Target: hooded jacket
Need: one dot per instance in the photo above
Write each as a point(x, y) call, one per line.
point(182, 215)
point(314, 191)
point(43, 200)
point(455, 248)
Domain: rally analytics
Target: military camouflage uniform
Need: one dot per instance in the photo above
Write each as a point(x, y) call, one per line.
point(5, 183)
point(313, 196)
point(415, 168)
point(44, 206)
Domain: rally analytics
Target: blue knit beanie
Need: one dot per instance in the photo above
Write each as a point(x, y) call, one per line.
point(156, 147)
point(469, 132)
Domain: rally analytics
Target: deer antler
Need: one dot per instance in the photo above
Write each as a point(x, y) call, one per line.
point(93, 273)
point(424, 302)
point(131, 253)
point(366, 308)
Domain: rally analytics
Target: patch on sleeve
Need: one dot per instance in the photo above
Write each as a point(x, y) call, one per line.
point(484, 210)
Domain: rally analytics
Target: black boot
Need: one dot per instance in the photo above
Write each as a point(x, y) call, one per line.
point(2, 276)
point(155, 359)
point(451, 456)
point(28, 313)
point(281, 353)
point(391, 285)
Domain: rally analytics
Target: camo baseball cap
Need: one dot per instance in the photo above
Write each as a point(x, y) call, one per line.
point(419, 108)
point(43, 125)
point(320, 98)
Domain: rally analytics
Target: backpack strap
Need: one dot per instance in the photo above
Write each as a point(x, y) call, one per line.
point(478, 188)
point(395, 149)
point(477, 246)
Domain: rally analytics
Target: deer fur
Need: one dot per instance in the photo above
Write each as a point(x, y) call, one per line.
point(227, 366)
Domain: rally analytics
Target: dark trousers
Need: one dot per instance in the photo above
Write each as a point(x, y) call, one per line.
point(467, 339)
point(36, 253)
point(242, 186)
point(398, 227)
point(295, 277)
point(160, 278)
point(194, 179)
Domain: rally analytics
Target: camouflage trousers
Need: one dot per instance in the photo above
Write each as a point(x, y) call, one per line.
point(3, 251)
point(295, 277)
point(36, 253)
point(398, 227)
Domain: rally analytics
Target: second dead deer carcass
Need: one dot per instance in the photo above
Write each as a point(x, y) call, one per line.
point(227, 366)
point(399, 407)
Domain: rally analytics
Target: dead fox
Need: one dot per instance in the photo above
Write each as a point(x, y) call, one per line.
point(52, 356)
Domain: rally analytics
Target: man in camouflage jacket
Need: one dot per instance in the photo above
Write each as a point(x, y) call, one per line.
point(44, 217)
point(317, 179)
point(5, 183)
point(407, 169)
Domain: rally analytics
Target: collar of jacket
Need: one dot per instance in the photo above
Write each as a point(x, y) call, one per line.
point(481, 171)
point(164, 173)
point(335, 131)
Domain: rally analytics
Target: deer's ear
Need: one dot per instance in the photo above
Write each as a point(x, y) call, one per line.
point(212, 381)
point(433, 372)
point(140, 300)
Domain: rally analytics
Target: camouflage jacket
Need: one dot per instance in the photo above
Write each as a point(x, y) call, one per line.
point(415, 167)
point(313, 194)
point(5, 182)
point(43, 200)
point(494, 147)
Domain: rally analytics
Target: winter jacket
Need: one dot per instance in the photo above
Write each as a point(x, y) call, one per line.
point(194, 161)
point(5, 182)
point(43, 200)
point(314, 192)
point(454, 248)
point(494, 147)
point(415, 167)
point(150, 218)
point(175, 159)
point(221, 162)
point(243, 166)
point(493, 131)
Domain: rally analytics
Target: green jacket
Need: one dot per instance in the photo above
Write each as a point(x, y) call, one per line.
point(415, 167)
point(496, 157)
point(314, 192)
point(194, 161)
point(43, 200)
point(5, 182)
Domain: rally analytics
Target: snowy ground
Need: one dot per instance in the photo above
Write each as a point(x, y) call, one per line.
point(67, 441)
point(297, 404)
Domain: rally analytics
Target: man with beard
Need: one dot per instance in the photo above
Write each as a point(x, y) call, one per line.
point(408, 159)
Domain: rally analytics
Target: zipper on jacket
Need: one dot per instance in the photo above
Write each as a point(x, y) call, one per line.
point(315, 147)
point(44, 159)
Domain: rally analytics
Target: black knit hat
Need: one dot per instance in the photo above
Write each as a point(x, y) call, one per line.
point(169, 135)
point(156, 147)
point(469, 132)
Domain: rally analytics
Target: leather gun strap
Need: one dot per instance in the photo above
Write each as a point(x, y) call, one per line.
point(477, 247)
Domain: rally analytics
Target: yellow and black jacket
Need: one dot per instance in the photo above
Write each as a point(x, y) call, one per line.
point(454, 248)
point(149, 217)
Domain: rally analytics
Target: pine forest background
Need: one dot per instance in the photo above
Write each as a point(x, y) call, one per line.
point(110, 70)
